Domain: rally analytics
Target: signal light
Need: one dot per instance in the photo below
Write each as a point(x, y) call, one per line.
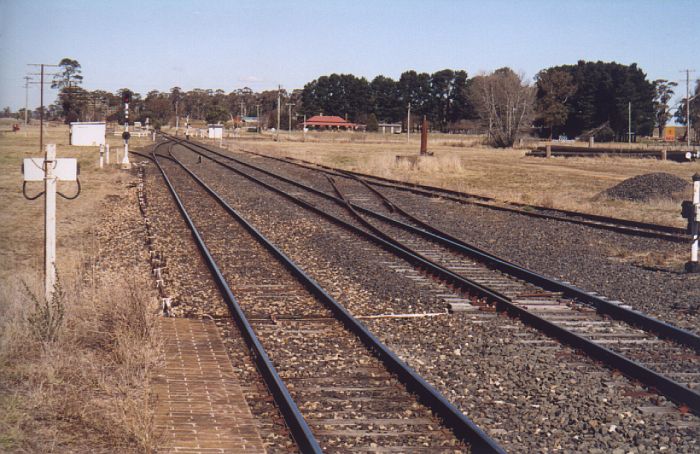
point(126, 97)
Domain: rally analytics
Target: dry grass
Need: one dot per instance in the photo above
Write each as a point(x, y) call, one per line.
point(464, 164)
point(84, 387)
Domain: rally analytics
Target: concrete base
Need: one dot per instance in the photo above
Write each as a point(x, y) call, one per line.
point(126, 166)
point(692, 267)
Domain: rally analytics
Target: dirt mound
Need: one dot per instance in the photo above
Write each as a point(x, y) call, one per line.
point(643, 188)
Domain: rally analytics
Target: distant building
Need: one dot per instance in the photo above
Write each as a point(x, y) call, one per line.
point(330, 122)
point(88, 134)
point(390, 128)
point(216, 131)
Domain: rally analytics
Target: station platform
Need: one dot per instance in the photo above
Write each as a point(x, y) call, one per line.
point(200, 406)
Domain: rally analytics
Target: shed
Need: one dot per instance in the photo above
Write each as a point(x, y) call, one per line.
point(216, 131)
point(88, 134)
point(391, 128)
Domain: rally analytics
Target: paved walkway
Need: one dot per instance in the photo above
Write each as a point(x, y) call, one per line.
point(200, 407)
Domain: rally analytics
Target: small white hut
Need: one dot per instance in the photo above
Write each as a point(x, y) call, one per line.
point(87, 133)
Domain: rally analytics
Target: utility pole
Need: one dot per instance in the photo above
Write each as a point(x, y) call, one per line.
point(41, 111)
point(629, 122)
point(279, 106)
point(26, 97)
point(289, 114)
point(177, 117)
point(257, 117)
point(408, 124)
point(687, 104)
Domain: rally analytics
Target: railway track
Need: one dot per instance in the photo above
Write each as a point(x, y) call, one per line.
point(337, 386)
point(624, 226)
point(669, 364)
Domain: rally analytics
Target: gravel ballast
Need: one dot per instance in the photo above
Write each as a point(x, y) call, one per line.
point(368, 282)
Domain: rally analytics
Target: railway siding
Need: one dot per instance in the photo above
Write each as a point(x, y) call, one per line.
point(322, 241)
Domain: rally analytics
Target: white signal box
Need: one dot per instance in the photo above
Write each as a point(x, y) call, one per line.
point(65, 169)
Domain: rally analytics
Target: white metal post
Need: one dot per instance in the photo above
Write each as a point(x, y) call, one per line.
point(50, 221)
point(693, 266)
point(107, 153)
point(102, 156)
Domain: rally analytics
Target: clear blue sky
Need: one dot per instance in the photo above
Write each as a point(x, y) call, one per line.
point(146, 45)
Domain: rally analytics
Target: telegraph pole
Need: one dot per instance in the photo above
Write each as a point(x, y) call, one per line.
point(177, 117)
point(289, 107)
point(279, 106)
point(408, 124)
point(687, 104)
point(26, 97)
point(257, 117)
point(629, 122)
point(41, 111)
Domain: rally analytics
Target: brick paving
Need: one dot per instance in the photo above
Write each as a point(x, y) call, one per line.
point(201, 407)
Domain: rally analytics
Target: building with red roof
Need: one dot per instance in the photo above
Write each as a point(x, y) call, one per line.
point(329, 122)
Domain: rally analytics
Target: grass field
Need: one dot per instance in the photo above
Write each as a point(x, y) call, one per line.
point(80, 387)
point(463, 163)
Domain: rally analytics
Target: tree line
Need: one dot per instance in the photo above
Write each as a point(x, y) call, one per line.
point(588, 98)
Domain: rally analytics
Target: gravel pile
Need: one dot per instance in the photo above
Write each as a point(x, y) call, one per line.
point(650, 186)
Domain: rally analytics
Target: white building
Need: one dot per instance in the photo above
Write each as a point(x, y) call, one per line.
point(89, 134)
point(216, 131)
point(391, 128)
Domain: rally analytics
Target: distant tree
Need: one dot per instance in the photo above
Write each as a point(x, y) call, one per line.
point(216, 113)
point(554, 88)
point(73, 99)
point(385, 100)
point(414, 89)
point(157, 107)
point(6, 112)
point(662, 111)
point(372, 123)
point(337, 94)
point(448, 100)
point(603, 93)
point(504, 102)
point(69, 75)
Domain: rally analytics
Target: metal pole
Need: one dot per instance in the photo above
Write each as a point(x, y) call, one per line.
point(408, 124)
point(107, 153)
point(424, 137)
point(50, 221)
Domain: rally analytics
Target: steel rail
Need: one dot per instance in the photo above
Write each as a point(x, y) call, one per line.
point(649, 378)
point(463, 427)
point(625, 226)
point(295, 421)
point(602, 305)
